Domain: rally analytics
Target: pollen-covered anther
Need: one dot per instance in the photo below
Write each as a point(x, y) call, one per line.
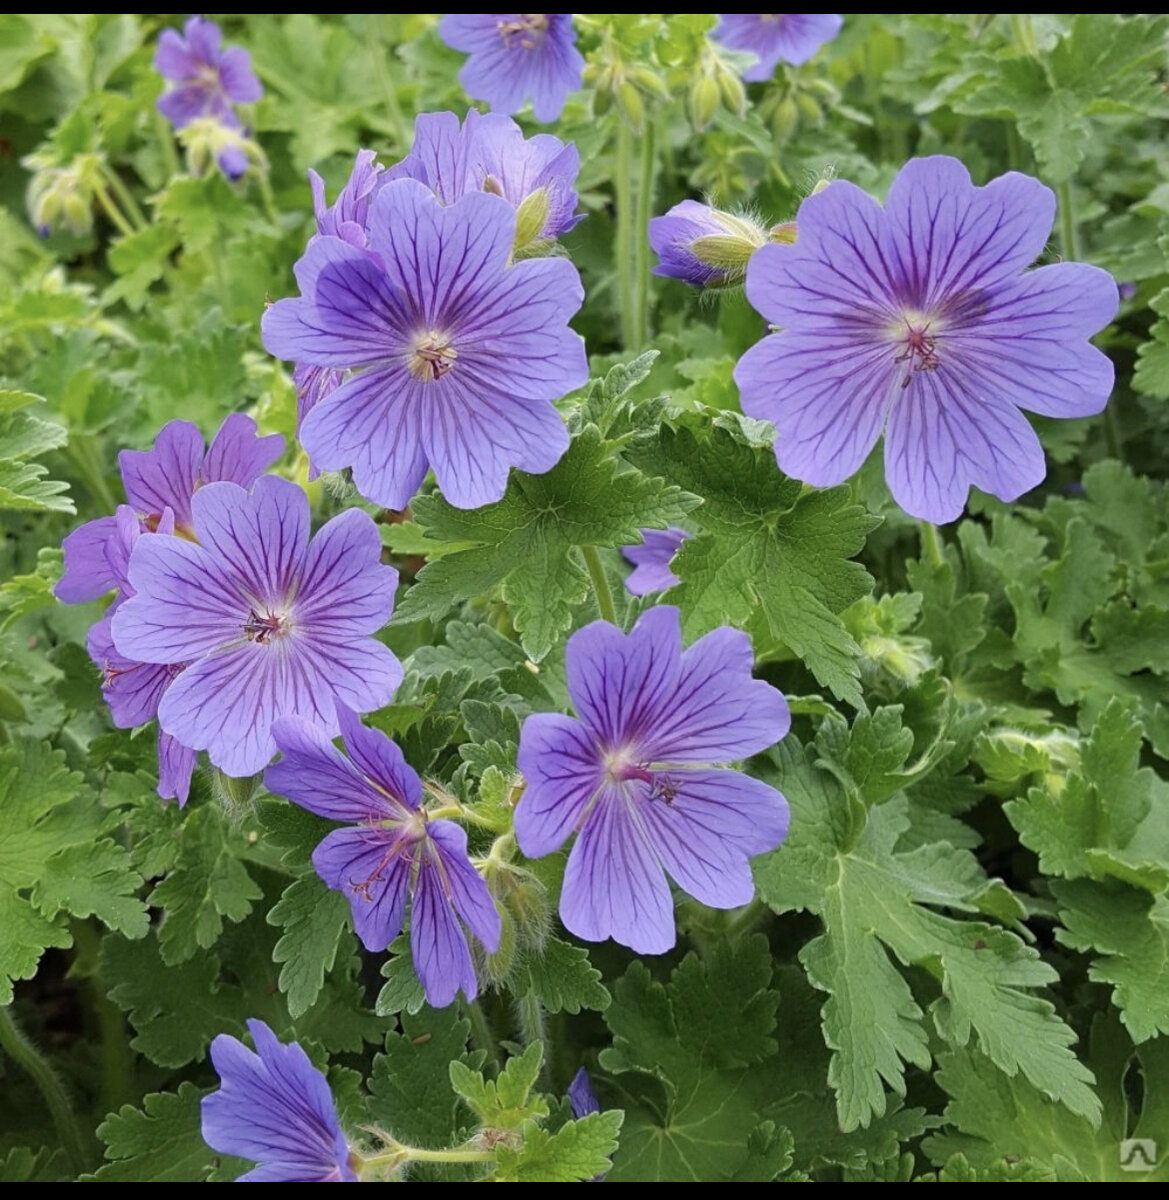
point(526, 31)
point(920, 351)
point(431, 357)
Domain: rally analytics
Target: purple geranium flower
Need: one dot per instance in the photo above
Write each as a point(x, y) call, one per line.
point(269, 623)
point(919, 318)
point(166, 476)
point(274, 1107)
point(209, 79)
point(651, 560)
point(464, 351)
point(776, 37)
point(348, 215)
point(703, 245)
point(391, 852)
point(490, 153)
point(517, 57)
point(636, 774)
point(581, 1095)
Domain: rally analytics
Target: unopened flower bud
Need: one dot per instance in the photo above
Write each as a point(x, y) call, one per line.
point(631, 104)
point(703, 245)
point(786, 118)
point(703, 100)
point(784, 233)
point(234, 794)
point(530, 220)
point(209, 142)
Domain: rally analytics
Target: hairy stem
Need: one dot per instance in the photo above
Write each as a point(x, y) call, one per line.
point(111, 210)
point(623, 246)
point(115, 1047)
point(531, 1020)
point(600, 582)
point(645, 191)
point(931, 543)
point(33, 1064)
point(166, 140)
point(1068, 234)
point(125, 197)
point(481, 1036)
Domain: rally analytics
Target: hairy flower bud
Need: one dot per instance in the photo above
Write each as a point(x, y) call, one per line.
point(703, 245)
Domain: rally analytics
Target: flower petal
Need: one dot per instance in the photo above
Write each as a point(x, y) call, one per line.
point(827, 396)
point(620, 682)
point(953, 238)
point(167, 475)
point(464, 885)
point(943, 436)
point(87, 571)
point(372, 868)
point(261, 536)
point(313, 773)
point(373, 423)
point(438, 944)
point(237, 78)
point(346, 590)
point(562, 771)
point(237, 455)
point(707, 832)
point(715, 712)
point(614, 885)
point(380, 759)
point(176, 765)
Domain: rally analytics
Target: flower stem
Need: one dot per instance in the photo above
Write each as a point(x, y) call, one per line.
point(115, 1047)
point(111, 210)
point(456, 812)
point(481, 1036)
point(1067, 222)
point(400, 1155)
point(931, 544)
point(600, 583)
point(28, 1058)
point(531, 1018)
point(645, 190)
point(170, 156)
point(268, 200)
point(125, 197)
point(623, 246)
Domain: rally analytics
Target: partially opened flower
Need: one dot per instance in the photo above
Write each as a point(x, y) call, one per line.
point(133, 690)
point(581, 1096)
point(165, 477)
point(920, 319)
point(638, 776)
point(776, 37)
point(269, 622)
point(391, 852)
point(208, 80)
point(651, 560)
point(516, 57)
point(461, 351)
point(275, 1108)
point(703, 245)
point(536, 175)
point(348, 215)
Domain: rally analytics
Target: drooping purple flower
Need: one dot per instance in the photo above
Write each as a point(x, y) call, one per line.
point(651, 560)
point(463, 351)
point(517, 57)
point(919, 318)
point(166, 476)
point(776, 37)
point(703, 245)
point(348, 215)
point(391, 852)
point(209, 80)
point(269, 622)
point(132, 689)
point(636, 774)
point(489, 153)
point(275, 1108)
point(581, 1095)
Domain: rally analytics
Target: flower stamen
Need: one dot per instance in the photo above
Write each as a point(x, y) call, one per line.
point(920, 351)
point(432, 357)
point(528, 31)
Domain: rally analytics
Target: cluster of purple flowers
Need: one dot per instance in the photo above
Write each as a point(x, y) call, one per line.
point(419, 341)
point(208, 83)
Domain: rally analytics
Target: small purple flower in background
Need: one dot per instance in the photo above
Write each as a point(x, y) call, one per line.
point(391, 852)
point(651, 560)
point(209, 80)
point(581, 1096)
point(776, 37)
point(636, 774)
point(919, 318)
point(703, 245)
point(534, 175)
point(464, 351)
point(275, 1108)
point(517, 57)
point(269, 623)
